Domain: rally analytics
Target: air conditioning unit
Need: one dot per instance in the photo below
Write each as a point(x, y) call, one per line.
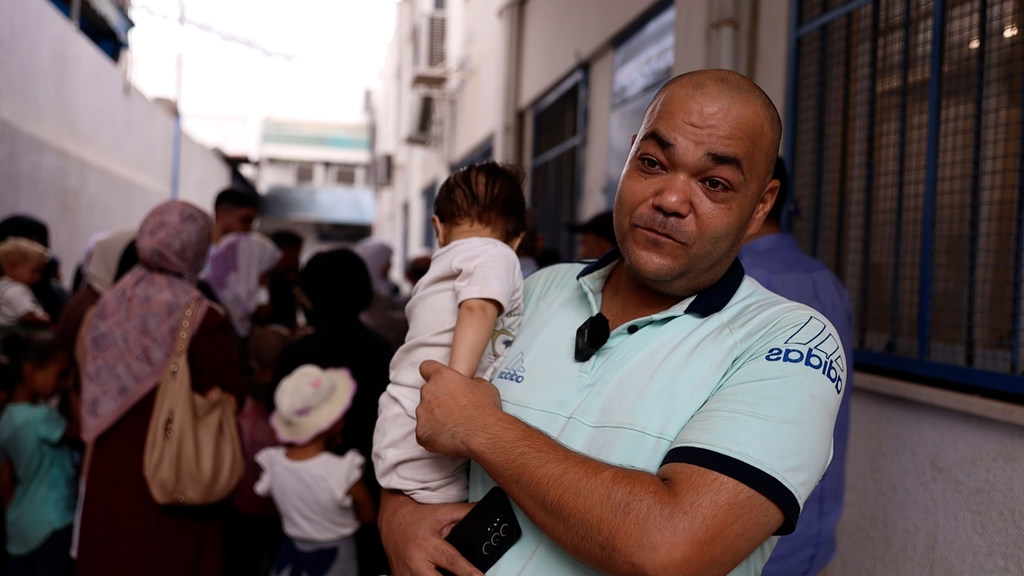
point(422, 129)
point(429, 70)
point(380, 170)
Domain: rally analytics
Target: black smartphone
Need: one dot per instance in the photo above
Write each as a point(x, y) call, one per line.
point(487, 531)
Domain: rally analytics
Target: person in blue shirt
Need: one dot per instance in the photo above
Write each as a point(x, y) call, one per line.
point(773, 258)
point(34, 437)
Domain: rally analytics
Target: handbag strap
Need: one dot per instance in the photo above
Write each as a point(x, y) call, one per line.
point(184, 333)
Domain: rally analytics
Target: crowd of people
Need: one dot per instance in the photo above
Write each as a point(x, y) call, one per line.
point(640, 404)
point(80, 380)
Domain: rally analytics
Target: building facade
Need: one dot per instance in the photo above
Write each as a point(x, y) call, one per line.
point(903, 127)
point(80, 148)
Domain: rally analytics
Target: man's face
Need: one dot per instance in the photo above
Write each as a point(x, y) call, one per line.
point(692, 187)
point(237, 219)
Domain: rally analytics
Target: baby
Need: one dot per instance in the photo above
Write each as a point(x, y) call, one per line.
point(22, 261)
point(464, 313)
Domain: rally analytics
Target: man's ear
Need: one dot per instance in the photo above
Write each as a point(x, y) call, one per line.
point(764, 206)
point(439, 230)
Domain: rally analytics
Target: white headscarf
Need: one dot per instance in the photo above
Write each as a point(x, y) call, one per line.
point(101, 262)
point(376, 253)
point(233, 272)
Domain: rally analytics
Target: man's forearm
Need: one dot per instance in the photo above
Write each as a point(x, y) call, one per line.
point(622, 521)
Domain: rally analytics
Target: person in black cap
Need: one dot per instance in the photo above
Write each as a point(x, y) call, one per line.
point(597, 235)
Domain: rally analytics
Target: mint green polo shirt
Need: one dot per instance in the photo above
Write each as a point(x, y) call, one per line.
point(735, 379)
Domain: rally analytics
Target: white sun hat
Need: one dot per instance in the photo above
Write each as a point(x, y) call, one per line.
point(309, 401)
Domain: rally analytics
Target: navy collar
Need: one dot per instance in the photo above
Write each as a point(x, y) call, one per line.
point(708, 301)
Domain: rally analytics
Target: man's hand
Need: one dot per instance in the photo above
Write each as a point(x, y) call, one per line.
point(413, 536)
point(452, 408)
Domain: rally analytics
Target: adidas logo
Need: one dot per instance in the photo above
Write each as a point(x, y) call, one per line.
point(514, 371)
point(814, 347)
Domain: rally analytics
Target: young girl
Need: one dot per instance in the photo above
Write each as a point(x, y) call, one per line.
point(34, 437)
point(321, 497)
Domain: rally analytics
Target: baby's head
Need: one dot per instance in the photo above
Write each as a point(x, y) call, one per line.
point(310, 403)
point(22, 260)
point(483, 199)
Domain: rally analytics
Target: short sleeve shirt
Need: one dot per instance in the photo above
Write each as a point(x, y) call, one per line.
point(44, 498)
point(482, 268)
point(311, 495)
point(734, 379)
point(471, 268)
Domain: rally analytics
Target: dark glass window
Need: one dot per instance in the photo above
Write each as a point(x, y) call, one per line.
point(555, 166)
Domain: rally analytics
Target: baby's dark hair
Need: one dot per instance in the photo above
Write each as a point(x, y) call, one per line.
point(20, 348)
point(487, 193)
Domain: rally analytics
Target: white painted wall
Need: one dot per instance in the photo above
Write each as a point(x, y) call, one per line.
point(476, 57)
point(559, 35)
point(79, 148)
point(595, 151)
point(930, 491)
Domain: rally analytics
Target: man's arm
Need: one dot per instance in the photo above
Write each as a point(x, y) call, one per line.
point(473, 329)
point(684, 520)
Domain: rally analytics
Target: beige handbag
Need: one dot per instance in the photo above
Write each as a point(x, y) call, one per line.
point(193, 454)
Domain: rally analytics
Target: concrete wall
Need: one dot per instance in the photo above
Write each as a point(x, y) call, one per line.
point(930, 489)
point(560, 35)
point(79, 148)
point(595, 151)
point(475, 53)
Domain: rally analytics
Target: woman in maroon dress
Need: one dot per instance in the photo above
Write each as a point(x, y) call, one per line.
point(127, 344)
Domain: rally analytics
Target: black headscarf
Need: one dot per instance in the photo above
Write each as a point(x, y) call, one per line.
point(23, 226)
point(338, 287)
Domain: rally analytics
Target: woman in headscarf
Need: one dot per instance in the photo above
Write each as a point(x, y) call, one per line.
point(235, 271)
point(337, 288)
point(109, 258)
point(385, 315)
point(127, 344)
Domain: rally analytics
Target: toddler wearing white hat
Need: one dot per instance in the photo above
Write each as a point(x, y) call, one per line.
point(320, 495)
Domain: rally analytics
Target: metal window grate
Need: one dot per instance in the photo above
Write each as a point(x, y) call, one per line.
point(907, 119)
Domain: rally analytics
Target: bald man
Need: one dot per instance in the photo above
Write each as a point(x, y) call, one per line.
point(659, 412)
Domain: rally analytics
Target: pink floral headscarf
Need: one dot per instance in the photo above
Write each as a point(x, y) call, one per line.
point(129, 340)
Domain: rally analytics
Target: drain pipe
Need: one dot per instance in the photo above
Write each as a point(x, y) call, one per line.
point(507, 148)
point(176, 139)
point(724, 30)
